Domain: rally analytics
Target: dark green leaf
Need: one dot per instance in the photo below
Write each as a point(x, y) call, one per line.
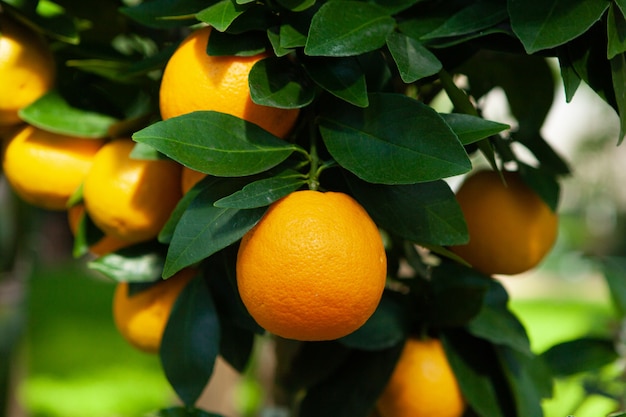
point(387, 327)
point(180, 411)
point(526, 387)
point(571, 80)
point(616, 32)
point(543, 24)
point(348, 28)
point(414, 60)
point(614, 269)
point(342, 77)
point(475, 17)
point(245, 44)
point(618, 73)
point(134, 264)
point(264, 192)
point(273, 34)
point(296, 5)
point(52, 113)
point(166, 233)
point(622, 6)
point(58, 26)
point(216, 143)
point(411, 141)
point(580, 355)
point(277, 82)
point(470, 129)
point(475, 366)
point(395, 6)
point(165, 14)
point(457, 294)
point(204, 229)
point(191, 340)
point(542, 183)
point(221, 14)
point(295, 28)
point(352, 390)
point(425, 213)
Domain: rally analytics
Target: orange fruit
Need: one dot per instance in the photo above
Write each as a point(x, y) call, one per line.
point(189, 178)
point(313, 268)
point(106, 244)
point(45, 168)
point(130, 199)
point(511, 229)
point(141, 318)
point(193, 81)
point(27, 69)
point(422, 384)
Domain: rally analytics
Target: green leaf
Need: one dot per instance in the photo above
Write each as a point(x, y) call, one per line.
point(190, 343)
point(204, 229)
point(395, 6)
point(296, 5)
point(52, 113)
point(618, 75)
point(342, 77)
point(580, 355)
point(614, 270)
point(166, 233)
point(470, 129)
point(481, 380)
point(543, 24)
point(264, 192)
point(387, 327)
point(227, 44)
point(354, 387)
point(348, 28)
point(551, 162)
point(273, 34)
point(571, 80)
point(138, 263)
point(411, 141)
point(180, 411)
point(426, 213)
point(475, 17)
point(216, 143)
point(221, 14)
point(542, 183)
point(414, 60)
point(616, 32)
point(277, 82)
point(164, 14)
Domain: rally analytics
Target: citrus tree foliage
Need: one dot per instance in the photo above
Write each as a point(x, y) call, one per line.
point(365, 75)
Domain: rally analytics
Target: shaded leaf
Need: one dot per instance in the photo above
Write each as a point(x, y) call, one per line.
point(411, 141)
point(190, 343)
point(52, 113)
point(296, 5)
point(425, 213)
point(279, 83)
point(180, 411)
point(545, 185)
point(543, 24)
point(618, 75)
point(470, 129)
point(227, 44)
point(348, 28)
point(163, 14)
point(476, 16)
point(216, 143)
point(614, 270)
point(414, 60)
point(580, 355)
point(342, 77)
point(616, 32)
point(264, 192)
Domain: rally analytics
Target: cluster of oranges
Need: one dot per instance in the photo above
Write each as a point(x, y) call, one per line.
point(313, 268)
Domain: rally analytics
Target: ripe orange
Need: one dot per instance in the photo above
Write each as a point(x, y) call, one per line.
point(511, 228)
point(313, 268)
point(193, 80)
point(141, 318)
point(107, 244)
point(130, 199)
point(27, 69)
point(45, 168)
point(189, 178)
point(422, 384)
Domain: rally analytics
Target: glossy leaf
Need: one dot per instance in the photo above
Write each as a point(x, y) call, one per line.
point(580, 355)
point(342, 77)
point(278, 83)
point(426, 213)
point(470, 129)
point(411, 141)
point(387, 327)
point(221, 14)
point(52, 113)
point(165, 14)
point(134, 264)
point(475, 17)
point(414, 60)
point(543, 24)
point(264, 192)
point(216, 143)
point(348, 28)
point(190, 343)
point(352, 390)
point(204, 229)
